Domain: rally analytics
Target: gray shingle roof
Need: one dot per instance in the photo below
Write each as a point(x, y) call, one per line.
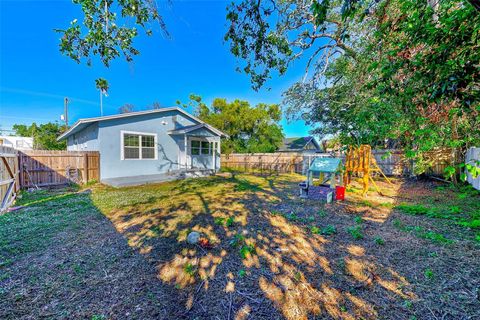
point(297, 143)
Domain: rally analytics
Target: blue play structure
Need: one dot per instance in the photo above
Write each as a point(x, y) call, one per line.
point(326, 170)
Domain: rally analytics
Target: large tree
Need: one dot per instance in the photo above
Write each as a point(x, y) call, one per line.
point(251, 128)
point(387, 72)
point(44, 135)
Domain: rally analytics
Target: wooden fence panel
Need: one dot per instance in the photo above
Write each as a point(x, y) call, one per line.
point(9, 177)
point(392, 162)
point(51, 167)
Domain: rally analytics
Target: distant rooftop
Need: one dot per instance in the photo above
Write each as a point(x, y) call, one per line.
point(298, 144)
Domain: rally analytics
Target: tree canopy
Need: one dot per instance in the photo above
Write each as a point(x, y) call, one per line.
point(44, 135)
point(400, 73)
point(251, 128)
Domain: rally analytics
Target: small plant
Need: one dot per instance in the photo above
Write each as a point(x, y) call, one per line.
point(219, 221)
point(358, 220)
point(242, 273)
point(428, 273)
point(379, 241)
point(297, 276)
point(238, 240)
point(230, 222)
point(275, 213)
point(246, 250)
point(328, 230)
point(355, 232)
point(292, 216)
point(322, 213)
point(98, 317)
point(408, 304)
point(413, 209)
point(311, 219)
point(315, 230)
point(455, 209)
point(190, 269)
point(398, 224)
point(477, 237)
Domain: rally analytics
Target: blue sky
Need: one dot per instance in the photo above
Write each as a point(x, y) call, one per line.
point(35, 77)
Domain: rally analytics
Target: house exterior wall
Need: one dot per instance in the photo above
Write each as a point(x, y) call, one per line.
point(85, 140)
point(168, 146)
point(19, 143)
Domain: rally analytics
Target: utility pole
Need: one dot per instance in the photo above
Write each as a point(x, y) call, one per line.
point(66, 111)
point(101, 103)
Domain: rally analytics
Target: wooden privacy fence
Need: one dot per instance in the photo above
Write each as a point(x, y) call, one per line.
point(275, 162)
point(40, 168)
point(392, 162)
point(9, 177)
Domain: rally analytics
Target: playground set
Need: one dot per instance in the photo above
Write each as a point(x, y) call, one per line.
point(334, 177)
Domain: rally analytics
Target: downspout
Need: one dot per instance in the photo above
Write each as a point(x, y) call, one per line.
point(185, 148)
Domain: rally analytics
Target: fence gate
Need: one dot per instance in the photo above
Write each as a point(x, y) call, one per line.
point(43, 168)
point(9, 177)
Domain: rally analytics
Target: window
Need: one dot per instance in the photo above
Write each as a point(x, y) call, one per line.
point(201, 148)
point(138, 146)
point(195, 150)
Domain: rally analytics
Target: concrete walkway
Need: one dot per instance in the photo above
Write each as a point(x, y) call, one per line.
point(155, 178)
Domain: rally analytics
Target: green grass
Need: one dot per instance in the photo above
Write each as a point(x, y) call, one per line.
point(423, 233)
point(428, 273)
point(328, 230)
point(246, 250)
point(355, 232)
point(459, 204)
point(46, 214)
point(379, 241)
point(190, 269)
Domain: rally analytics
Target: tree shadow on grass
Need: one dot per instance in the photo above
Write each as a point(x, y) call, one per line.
point(280, 256)
point(263, 265)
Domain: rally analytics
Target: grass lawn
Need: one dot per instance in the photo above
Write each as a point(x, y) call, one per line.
point(105, 253)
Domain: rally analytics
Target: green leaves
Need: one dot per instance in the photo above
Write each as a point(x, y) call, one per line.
point(100, 35)
point(251, 128)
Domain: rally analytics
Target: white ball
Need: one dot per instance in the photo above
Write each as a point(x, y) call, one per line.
point(193, 237)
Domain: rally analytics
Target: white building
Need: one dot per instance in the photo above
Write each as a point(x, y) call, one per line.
point(19, 143)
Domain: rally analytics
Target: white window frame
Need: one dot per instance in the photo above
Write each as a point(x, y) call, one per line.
point(122, 147)
point(211, 148)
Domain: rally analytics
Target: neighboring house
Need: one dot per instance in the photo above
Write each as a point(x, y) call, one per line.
point(19, 143)
point(300, 144)
point(148, 146)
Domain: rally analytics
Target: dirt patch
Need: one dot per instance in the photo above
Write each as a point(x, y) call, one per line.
point(282, 257)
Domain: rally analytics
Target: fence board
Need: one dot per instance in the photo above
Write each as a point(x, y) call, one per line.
point(9, 177)
point(54, 167)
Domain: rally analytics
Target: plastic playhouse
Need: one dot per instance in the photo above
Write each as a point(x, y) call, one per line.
point(322, 178)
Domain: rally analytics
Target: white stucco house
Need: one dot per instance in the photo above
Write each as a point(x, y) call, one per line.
point(16, 142)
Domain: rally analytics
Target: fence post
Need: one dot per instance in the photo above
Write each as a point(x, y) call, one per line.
point(85, 168)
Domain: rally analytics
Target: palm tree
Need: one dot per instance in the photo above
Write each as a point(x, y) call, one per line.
point(102, 85)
